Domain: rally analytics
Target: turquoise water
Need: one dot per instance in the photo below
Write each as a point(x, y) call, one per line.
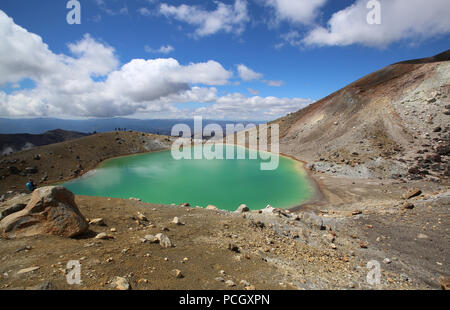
point(158, 178)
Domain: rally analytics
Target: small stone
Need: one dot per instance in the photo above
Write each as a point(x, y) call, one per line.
point(27, 270)
point(386, 261)
point(104, 236)
point(121, 284)
point(97, 222)
point(422, 236)
point(151, 238)
point(232, 247)
point(404, 277)
point(211, 207)
point(230, 283)
point(142, 217)
point(408, 206)
point(220, 279)
point(177, 273)
point(24, 248)
point(244, 283)
point(411, 193)
point(363, 245)
point(250, 288)
point(242, 208)
point(177, 221)
point(164, 241)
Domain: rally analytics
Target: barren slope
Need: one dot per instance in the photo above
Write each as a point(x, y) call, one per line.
point(364, 129)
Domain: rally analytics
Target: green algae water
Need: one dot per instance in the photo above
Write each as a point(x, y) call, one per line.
point(160, 179)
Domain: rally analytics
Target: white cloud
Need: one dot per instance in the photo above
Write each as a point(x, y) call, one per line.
point(16, 62)
point(226, 18)
point(120, 11)
point(296, 11)
point(239, 106)
point(144, 11)
point(90, 82)
point(413, 19)
point(274, 83)
point(162, 50)
point(69, 85)
point(247, 74)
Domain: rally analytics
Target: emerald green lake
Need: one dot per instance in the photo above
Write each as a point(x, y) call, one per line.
point(160, 179)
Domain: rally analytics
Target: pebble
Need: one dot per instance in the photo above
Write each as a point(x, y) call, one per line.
point(164, 241)
point(177, 273)
point(121, 284)
point(27, 270)
point(142, 217)
point(98, 222)
point(177, 221)
point(422, 236)
point(151, 238)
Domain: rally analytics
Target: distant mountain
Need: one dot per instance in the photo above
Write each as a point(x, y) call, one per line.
point(154, 126)
point(11, 143)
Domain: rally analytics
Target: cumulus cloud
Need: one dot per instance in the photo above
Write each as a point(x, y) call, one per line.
point(162, 50)
point(296, 11)
point(226, 18)
point(400, 19)
point(247, 74)
point(274, 83)
point(239, 106)
point(90, 82)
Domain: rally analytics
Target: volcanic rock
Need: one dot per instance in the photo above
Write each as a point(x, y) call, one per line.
point(51, 211)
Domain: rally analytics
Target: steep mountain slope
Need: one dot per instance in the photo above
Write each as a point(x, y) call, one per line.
point(16, 142)
point(391, 123)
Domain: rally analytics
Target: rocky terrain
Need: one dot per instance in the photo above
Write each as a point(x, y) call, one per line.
point(376, 151)
point(212, 249)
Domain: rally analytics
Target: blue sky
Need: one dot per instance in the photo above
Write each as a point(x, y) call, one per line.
point(293, 52)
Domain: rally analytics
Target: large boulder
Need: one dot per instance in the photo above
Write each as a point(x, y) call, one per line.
point(51, 211)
